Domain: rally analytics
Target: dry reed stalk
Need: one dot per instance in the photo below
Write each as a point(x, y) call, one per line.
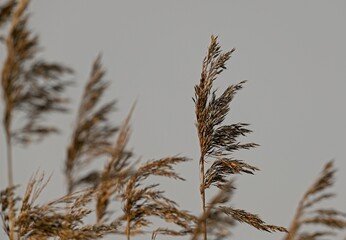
point(306, 214)
point(220, 217)
point(218, 226)
point(5, 197)
point(92, 132)
point(30, 85)
point(140, 203)
point(6, 12)
point(217, 141)
point(116, 171)
point(61, 218)
point(170, 232)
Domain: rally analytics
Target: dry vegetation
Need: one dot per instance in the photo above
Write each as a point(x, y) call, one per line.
point(33, 87)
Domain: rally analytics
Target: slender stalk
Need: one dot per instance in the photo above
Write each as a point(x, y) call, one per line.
point(9, 174)
point(202, 190)
point(294, 227)
point(128, 227)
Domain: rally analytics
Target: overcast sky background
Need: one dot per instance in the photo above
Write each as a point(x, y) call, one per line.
point(291, 52)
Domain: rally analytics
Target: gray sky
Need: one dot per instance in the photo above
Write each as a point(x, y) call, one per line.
point(292, 53)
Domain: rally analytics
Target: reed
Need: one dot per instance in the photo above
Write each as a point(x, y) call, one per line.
point(309, 212)
point(32, 88)
point(217, 141)
point(91, 137)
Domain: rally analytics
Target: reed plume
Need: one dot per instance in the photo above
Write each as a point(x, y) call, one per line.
point(92, 133)
point(141, 202)
point(219, 141)
point(308, 213)
point(32, 87)
point(62, 217)
point(220, 218)
point(117, 170)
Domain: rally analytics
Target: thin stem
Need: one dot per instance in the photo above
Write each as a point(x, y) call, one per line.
point(10, 176)
point(292, 231)
point(202, 190)
point(128, 227)
point(69, 182)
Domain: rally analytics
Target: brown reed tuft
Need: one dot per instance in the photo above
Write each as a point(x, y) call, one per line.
point(308, 213)
point(218, 141)
point(6, 196)
point(92, 134)
point(221, 218)
point(62, 217)
point(116, 171)
point(141, 202)
point(30, 86)
point(217, 224)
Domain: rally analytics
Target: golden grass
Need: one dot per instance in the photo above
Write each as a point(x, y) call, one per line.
point(92, 134)
point(217, 141)
point(308, 213)
point(33, 87)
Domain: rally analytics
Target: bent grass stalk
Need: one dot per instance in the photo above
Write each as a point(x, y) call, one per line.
point(217, 141)
point(30, 86)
